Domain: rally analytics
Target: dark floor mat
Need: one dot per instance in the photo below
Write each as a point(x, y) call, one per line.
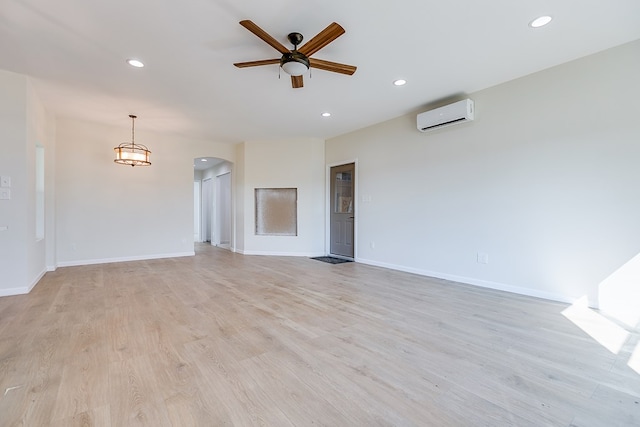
point(332, 260)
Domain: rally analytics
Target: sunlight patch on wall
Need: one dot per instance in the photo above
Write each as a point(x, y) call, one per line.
point(601, 329)
point(634, 361)
point(618, 294)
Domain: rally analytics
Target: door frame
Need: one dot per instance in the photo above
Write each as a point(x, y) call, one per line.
point(356, 208)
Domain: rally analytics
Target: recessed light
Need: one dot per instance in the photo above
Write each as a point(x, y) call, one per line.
point(204, 160)
point(326, 114)
point(540, 21)
point(135, 63)
point(399, 82)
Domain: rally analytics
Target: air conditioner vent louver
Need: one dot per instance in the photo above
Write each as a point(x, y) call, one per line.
point(458, 112)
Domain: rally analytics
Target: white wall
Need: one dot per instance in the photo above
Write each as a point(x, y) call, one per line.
point(285, 164)
point(23, 123)
point(109, 212)
point(545, 182)
point(239, 200)
point(13, 248)
point(40, 131)
point(217, 170)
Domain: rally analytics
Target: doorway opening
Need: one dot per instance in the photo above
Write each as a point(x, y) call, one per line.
point(213, 218)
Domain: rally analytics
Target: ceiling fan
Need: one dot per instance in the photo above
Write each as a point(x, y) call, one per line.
point(296, 62)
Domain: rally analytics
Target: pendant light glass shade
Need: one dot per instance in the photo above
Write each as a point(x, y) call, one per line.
point(130, 153)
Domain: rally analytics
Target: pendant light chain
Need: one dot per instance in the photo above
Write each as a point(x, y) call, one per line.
point(133, 128)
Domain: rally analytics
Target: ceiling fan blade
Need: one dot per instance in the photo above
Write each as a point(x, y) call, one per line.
point(249, 25)
point(257, 63)
point(296, 82)
point(323, 38)
point(332, 66)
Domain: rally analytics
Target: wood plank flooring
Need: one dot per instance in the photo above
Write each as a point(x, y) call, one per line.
point(222, 339)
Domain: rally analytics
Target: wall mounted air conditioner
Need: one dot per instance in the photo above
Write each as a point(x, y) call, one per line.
point(458, 112)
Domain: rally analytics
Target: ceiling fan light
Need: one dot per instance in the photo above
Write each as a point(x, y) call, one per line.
point(294, 63)
point(295, 68)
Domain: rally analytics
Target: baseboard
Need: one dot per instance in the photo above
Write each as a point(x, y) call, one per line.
point(271, 253)
point(476, 282)
point(22, 290)
point(454, 278)
point(35, 282)
point(123, 259)
point(14, 291)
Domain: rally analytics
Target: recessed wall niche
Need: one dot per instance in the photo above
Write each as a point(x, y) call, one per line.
point(276, 211)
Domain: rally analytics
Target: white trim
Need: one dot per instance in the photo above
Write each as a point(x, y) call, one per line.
point(23, 290)
point(13, 291)
point(296, 254)
point(36, 280)
point(123, 259)
point(51, 268)
point(476, 282)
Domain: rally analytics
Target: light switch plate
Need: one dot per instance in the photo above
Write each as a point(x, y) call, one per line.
point(5, 194)
point(5, 181)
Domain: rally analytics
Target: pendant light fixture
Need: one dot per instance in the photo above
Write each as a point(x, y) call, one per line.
point(131, 153)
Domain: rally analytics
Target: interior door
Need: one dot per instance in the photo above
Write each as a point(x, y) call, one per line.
point(342, 207)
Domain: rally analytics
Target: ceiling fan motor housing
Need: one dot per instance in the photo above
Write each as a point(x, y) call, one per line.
point(295, 39)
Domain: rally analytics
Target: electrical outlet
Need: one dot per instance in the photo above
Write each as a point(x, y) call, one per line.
point(5, 181)
point(483, 258)
point(5, 194)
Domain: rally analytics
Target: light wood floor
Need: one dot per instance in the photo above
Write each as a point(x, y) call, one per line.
point(222, 339)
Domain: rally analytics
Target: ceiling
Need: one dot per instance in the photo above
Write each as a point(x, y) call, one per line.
point(76, 51)
point(204, 163)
